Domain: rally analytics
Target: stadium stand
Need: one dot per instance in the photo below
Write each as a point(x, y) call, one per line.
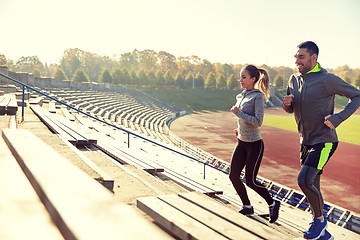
point(162, 159)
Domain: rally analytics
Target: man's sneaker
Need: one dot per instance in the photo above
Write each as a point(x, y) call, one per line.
point(317, 228)
point(247, 211)
point(274, 211)
point(326, 236)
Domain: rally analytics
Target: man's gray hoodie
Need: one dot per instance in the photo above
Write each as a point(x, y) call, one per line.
point(313, 100)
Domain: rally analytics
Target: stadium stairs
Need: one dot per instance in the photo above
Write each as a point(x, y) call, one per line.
point(208, 203)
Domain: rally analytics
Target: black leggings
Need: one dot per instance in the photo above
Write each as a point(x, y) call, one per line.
point(309, 182)
point(248, 154)
point(313, 159)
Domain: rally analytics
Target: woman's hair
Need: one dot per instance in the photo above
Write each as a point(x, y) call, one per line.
point(262, 79)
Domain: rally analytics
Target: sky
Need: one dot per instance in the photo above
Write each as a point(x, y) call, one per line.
point(225, 31)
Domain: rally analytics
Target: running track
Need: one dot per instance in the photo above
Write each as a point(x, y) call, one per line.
point(212, 132)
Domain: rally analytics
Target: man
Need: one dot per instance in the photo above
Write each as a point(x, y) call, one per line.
point(310, 96)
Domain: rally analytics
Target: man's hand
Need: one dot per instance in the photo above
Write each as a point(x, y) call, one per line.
point(234, 109)
point(328, 123)
point(287, 100)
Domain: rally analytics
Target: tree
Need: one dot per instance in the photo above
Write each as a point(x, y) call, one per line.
point(279, 81)
point(184, 65)
point(70, 62)
point(105, 77)
point(357, 81)
point(160, 79)
point(93, 65)
point(126, 76)
point(227, 70)
point(199, 81)
point(129, 60)
point(285, 72)
point(134, 78)
point(80, 76)
point(143, 78)
point(207, 67)
point(7, 62)
point(151, 78)
point(189, 80)
point(167, 62)
point(59, 75)
point(169, 79)
point(3, 60)
point(221, 82)
point(210, 81)
point(271, 72)
point(344, 72)
point(29, 64)
point(148, 59)
point(179, 81)
point(232, 83)
point(52, 69)
point(106, 62)
point(347, 79)
point(117, 76)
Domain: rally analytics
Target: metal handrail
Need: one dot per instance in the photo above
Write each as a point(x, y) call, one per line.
point(97, 119)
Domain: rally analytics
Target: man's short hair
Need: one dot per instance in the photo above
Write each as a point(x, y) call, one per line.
point(310, 46)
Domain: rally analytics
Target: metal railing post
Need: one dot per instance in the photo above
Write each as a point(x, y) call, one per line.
point(204, 170)
point(128, 140)
point(23, 103)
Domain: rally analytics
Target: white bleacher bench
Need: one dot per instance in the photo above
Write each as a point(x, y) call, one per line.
point(8, 88)
point(85, 121)
point(140, 159)
point(190, 184)
point(52, 107)
point(196, 216)
point(37, 100)
point(109, 147)
point(8, 104)
point(79, 206)
point(67, 114)
point(55, 127)
point(19, 95)
point(17, 194)
point(63, 127)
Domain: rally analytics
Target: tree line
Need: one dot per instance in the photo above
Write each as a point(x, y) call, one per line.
point(153, 69)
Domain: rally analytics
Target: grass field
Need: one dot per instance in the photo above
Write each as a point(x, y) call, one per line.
point(197, 100)
point(348, 131)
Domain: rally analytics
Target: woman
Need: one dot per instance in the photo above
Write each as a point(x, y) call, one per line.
point(249, 109)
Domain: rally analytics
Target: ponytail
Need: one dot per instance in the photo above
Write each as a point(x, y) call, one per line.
point(264, 83)
point(262, 79)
